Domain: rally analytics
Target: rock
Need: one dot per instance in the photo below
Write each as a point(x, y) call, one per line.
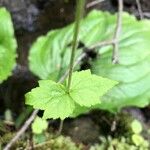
point(130, 2)
point(82, 130)
point(24, 13)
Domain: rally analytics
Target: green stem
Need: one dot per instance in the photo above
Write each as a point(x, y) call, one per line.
point(79, 14)
point(60, 127)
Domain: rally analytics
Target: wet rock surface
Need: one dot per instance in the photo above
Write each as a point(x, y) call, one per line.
point(24, 13)
point(82, 130)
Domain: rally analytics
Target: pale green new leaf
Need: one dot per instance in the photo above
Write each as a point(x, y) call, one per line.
point(138, 140)
point(39, 125)
point(136, 126)
point(8, 45)
point(86, 90)
point(51, 97)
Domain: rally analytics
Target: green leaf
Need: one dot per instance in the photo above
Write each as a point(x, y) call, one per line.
point(39, 125)
point(79, 110)
point(60, 107)
point(49, 56)
point(133, 69)
point(8, 45)
point(51, 97)
point(136, 127)
point(138, 139)
point(86, 90)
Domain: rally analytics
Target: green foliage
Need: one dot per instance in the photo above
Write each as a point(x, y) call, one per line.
point(39, 138)
point(138, 140)
point(133, 69)
point(39, 125)
point(8, 45)
point(136, 137)
point(50, 54)
point(86, 90)
point(58, 143)
point(119, 144)
point(136, 126)
point(51, 97)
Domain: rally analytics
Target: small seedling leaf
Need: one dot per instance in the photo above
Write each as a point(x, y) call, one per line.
point(39, 125)
point(136, 126)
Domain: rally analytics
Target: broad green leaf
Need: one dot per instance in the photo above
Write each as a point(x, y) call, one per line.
point(133, 69)
point(39, 125)
point(86, 90)
point(50, 55)
point(8, 45)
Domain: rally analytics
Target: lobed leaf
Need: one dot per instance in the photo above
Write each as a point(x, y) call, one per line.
point(86, 90)
point(49, 57)
point(51, 97)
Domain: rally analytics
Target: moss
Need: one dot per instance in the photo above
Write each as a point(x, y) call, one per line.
point(59, 143)
point(7, 137)
point(119, 144)
point(112, 124)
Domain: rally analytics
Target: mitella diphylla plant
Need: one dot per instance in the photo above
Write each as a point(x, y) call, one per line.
point(80, 89)
point(54, 98)
point(50, 54)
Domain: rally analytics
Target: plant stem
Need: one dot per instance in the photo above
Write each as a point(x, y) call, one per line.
point(60, 127)
point(79, 14)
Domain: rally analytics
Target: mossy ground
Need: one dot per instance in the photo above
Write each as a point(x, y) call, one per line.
point(116, 138)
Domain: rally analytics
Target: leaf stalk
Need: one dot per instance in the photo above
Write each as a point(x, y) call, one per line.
point(78, 17)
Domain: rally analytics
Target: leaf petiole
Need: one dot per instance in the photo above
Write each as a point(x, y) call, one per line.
point(79, 14)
